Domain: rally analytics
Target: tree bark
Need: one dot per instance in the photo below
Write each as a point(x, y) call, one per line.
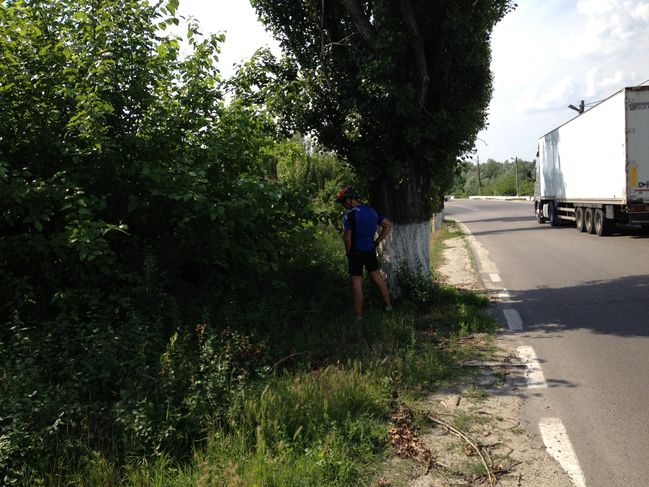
point(406, 202)
point(362, 23)
point(406, 248)
point(417, 43)
point(407, 206)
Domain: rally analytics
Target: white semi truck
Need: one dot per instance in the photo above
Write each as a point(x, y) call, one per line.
point(594, 169)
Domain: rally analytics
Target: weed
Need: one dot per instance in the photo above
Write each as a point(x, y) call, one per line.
point(467, 421)
point(317, 428)
point(476, 394)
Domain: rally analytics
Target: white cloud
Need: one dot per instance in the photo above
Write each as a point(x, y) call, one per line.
point(611, 28)
point(599, 85)
point(549, 54)
point(560, 94)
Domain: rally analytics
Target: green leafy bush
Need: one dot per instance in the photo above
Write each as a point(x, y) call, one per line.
point(462, 312)
point(160, 254)
point(135, 205)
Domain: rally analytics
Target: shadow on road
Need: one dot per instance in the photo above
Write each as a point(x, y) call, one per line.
point(614, 307)
point(632, 231)
point(530, 219)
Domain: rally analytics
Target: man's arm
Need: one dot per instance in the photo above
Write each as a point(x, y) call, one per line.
point(386, 228)
point(347, 238)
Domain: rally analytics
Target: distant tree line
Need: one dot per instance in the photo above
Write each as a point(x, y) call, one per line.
point(494, 178)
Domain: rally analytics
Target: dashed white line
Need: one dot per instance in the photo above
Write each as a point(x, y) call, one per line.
point(554, 434)
point(557, 443)
point(533, 372)
point(514, 321)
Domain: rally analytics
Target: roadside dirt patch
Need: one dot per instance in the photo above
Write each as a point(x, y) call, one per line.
point(456, 268)
point(471, 434)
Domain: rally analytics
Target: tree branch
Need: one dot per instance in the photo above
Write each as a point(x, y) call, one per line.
point(361, 22)
point(491, 477)
point(418, 47)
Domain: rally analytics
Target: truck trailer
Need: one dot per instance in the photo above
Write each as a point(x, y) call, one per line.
point(594, 169)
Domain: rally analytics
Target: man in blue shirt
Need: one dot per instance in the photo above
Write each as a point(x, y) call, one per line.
point(360, 223)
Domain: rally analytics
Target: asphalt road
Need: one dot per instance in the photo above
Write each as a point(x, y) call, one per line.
point(584, 303)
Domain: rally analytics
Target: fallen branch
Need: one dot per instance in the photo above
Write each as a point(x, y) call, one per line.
point(508, 469)
point(490, 475)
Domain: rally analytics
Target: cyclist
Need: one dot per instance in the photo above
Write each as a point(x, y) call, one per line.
point(360, 223)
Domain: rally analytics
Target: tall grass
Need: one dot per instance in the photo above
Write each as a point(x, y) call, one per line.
point(315, 412)
point(323, 427)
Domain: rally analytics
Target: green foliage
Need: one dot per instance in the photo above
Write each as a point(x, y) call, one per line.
point(296, 409)
point(161, 256)
point(399, 89)
point(135, 205)
point(305, 167)
point(496, 179)
point(268, 88)
point(453, 310)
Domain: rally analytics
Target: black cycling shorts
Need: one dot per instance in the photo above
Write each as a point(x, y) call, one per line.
point(358, 259)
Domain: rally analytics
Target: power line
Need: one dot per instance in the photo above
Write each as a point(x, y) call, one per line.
point(595, 102)
point(582, 105)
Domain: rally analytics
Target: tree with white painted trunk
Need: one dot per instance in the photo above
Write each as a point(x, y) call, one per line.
point(399, 88)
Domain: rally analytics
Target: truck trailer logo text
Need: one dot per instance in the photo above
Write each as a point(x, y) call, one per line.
point(643, 105)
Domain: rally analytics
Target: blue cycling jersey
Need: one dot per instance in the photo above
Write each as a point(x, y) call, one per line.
point(362, 221)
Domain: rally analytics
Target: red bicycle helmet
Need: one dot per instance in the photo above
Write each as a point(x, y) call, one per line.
point(346, 193)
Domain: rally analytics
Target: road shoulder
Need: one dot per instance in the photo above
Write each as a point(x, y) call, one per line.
point(486, 408)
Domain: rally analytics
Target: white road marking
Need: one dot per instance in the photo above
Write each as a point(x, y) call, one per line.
point(504, 296)
point(514, 321)
point(494, 277)
point(557, 443)
point(533, 372)
point(552, 430)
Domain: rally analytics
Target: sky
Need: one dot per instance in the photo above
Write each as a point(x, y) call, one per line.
point(546, 55)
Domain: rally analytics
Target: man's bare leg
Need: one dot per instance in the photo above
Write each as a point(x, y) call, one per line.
point(383, 288)
point(357, 295)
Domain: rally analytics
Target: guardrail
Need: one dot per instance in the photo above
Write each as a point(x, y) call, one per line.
point(503, 198)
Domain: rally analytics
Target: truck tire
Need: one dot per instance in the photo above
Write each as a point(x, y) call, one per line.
point(602, 226)
point(552, 215)
point(579, 219)
point(588, 220)
point(538, 209)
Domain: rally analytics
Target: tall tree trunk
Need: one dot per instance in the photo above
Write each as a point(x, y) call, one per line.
point(408, 246)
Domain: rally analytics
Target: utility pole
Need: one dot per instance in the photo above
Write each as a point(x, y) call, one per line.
point(479, 184)
point(516, 162)
point(477, 158)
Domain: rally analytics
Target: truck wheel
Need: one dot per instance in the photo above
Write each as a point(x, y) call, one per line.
point(552, 215)
point(588, 220)
point(538, 209)
point(579, 219)
point(601, 224)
